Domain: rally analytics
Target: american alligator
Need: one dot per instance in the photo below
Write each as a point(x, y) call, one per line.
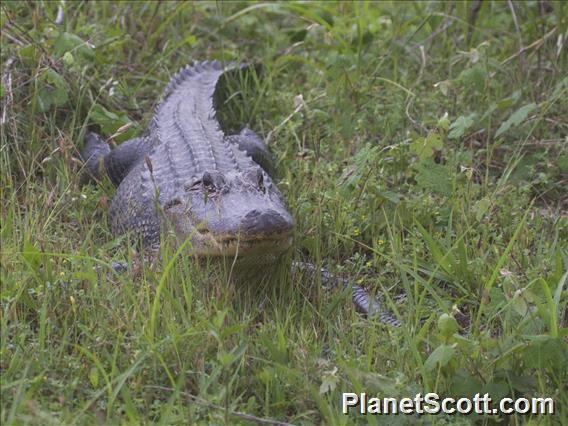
point(184, 176)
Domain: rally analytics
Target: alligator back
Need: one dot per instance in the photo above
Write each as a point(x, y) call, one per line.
point(186, 121)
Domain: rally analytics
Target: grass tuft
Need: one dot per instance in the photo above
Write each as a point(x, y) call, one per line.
point(422, 150)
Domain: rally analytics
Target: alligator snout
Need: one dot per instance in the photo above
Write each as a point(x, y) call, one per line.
point(266, 222)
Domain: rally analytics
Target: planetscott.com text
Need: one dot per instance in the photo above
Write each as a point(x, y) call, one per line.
point(431, 403)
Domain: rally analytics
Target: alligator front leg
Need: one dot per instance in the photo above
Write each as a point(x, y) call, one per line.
point(93, 154)
point(100, 160)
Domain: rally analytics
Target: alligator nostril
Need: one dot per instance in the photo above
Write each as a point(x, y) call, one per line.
point(269, 221)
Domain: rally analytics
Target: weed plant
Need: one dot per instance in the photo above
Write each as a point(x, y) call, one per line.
point(422, 150)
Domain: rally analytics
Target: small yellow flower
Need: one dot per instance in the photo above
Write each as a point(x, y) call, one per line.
point(357, 232)
point(62, 273)
point(380, 242)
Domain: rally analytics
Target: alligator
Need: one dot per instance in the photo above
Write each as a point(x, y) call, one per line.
point(183, 172)
point(184, 176)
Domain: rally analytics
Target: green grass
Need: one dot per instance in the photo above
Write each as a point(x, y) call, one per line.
point(420, 153)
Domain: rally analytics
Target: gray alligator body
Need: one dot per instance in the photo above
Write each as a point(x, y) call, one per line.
point(184, 173)
point(184, 176)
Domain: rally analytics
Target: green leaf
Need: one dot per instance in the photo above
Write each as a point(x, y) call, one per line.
point(520, 305)
point(60, 94)
point(464, 344)
point(53, 91)
point(434, 177)
point(393, 197)
point(444, 87)
point(225, 358)
point(473, 78)
point(68, 59)
point(68, 42)
point(102, 116)
point(443, 123)
point(440, 357)
point(508, 101)
point(516, 118)
point(481, 207)
point(504, 103)
point(329, 382)
point(447, 326)
point(28, 53)
point(461, 126)
point(94, 377)
point(424, 147)
point(110, 122)
point(191, 40)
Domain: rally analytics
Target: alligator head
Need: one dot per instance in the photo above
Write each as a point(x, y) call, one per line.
point(240, 212)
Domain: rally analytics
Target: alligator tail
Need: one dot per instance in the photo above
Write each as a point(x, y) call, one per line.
point(372, 308)
point(363, 301)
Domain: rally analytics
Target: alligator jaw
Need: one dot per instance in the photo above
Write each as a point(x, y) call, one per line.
point(206, 244)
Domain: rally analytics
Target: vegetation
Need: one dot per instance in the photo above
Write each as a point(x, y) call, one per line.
point(423, 152)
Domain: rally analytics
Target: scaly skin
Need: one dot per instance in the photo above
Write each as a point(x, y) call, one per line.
point(184, 173)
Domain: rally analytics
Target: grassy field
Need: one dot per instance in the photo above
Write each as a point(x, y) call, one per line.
point(422, 150)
